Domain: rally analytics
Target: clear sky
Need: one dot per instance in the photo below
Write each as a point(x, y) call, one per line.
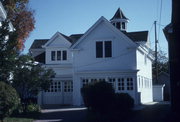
point(77, 16)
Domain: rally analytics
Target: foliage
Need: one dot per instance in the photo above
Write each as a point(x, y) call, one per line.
point(29, 78)
point(21, 17)
point(9, 100)
point(33, 108)
point(98, 96)
point(104, 104)
point(9, 52)
point(162, 63)
point(123, 102)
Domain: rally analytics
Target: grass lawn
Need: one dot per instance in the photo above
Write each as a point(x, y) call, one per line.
point(14, 119)
point(28, 117)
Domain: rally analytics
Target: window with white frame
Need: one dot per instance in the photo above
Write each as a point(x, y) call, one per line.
point(129, 83)
point(53, 54)
point(103, 49)
point(112, 82)
point(59, 55)
point(55, 87)
point(68, 86)
point(84, 82)
point(120, 84)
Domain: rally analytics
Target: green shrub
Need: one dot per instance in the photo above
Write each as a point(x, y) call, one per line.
point(123, 102)
point(98, 96)
point(33, 108)
point(9, 100)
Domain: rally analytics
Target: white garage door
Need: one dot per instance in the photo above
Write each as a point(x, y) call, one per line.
point(60, 92)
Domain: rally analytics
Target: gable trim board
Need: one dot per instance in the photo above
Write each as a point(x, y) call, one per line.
point(54, 37)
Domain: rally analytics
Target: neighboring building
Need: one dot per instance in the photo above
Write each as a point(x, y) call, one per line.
point(163, 86)
point(105, 52)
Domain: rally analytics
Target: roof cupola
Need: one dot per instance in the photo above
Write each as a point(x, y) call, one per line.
point(119, 20)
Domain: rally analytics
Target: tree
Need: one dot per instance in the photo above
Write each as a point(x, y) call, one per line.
point(8, 51)
point(162, 63)
point(9, 100)
point(21, 17)
point(29, 78)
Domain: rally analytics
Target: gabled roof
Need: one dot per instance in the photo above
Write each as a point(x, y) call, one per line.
point(37, 44)
point(108, 24)
point(66, 37)
point(119, 15)
point(55, 35)
point(137, 36)
point(75, 37)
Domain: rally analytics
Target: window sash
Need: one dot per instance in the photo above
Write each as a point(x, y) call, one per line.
point(108, 49)
point(58, 55)
point(53, 53)
point(99, 49)
point(64, 55)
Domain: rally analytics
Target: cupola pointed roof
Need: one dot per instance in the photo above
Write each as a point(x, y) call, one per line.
point(119, 15)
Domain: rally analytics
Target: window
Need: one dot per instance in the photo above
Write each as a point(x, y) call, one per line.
point(129, 84)
point(84, 82)
point(53, 53)
point(123, 26)
point(108, 50)
point(68, 86)
point(64, 55)
point(99, 49)
point(103, 49)
point(58, 55)
point(118, 25)
point(120, 84)
point(112, 82)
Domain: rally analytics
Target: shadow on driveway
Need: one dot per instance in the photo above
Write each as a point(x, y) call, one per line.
point(63, 115)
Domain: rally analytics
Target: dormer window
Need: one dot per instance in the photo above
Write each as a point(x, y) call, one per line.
point(53, 53)
point(64, 55)
point(59, 55)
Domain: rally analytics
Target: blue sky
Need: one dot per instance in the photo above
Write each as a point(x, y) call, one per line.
point(77, 16)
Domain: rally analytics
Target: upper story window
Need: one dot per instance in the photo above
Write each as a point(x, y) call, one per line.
point(64, 55)
point(53, 53)
point(118, 25)
point(103, 49)
point(59, 55)
point(99, 49)
point(123, 25)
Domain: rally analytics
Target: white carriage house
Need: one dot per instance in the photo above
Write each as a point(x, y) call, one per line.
point(105, 52)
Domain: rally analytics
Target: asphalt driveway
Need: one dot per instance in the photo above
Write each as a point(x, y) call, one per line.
point(153, 112)
point(68, 114)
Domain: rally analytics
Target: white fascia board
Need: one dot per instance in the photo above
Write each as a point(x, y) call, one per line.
point(109, 72)
point(88, 31)
point(58, 65)
point(53, 38)
point(145, 50)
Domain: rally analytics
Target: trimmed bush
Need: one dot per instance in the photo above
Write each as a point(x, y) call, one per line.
point(123, 102)
point(9, 100)
point(98, 96)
